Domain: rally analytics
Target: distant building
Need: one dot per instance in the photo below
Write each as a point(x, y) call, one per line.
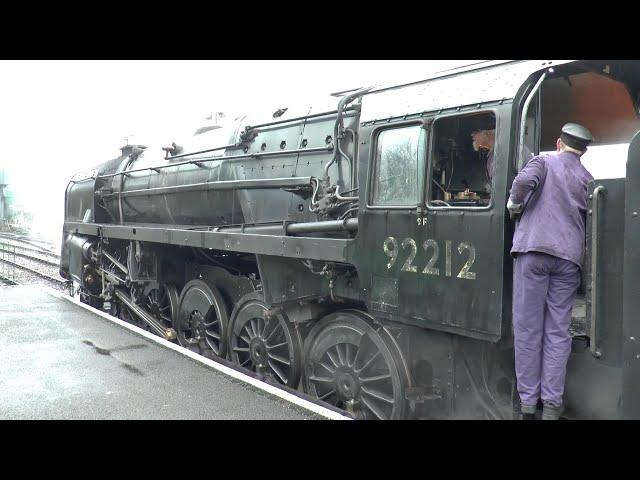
point(6, 198)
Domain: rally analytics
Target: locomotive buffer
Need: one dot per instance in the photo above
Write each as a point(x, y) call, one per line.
point(64, 360)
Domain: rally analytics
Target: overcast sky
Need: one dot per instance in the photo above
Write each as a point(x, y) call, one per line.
point(78, 113)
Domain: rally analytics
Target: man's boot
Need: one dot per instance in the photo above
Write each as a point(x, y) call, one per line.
point(551, 412)
point(528, 412)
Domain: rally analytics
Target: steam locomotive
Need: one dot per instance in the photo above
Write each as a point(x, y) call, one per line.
point(360, 254)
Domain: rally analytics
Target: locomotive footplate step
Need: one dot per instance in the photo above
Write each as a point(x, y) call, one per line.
point(62, 361)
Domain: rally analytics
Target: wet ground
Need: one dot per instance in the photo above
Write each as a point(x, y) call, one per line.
point(60, 361)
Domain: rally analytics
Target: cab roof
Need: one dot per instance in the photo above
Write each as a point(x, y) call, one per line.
point(471, 84)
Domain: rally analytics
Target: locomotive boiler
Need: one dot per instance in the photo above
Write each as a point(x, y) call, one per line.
point(360, 254)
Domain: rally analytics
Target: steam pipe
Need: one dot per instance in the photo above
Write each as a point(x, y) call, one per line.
point(336, 129)
point(345, 199)
point(350, 225)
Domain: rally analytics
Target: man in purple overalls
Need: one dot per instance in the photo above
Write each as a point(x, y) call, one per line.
point(550, 195)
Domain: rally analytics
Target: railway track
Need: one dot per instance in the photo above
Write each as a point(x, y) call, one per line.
point(30, 249)
point(37, 246)
point(4, 281)
point(53, 260)
point(45, 247)
point(20, 263)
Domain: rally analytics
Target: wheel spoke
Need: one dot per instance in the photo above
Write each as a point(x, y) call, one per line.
point(277, 371)
point(240, 349)
point(213, 334)
point(359, 349)
point(326, 367)
point(214, 347)
point(247, 327)
point(276, 346)
point(275, 329)
point(207, 325)
point(374, 379)
point(314, 378)
point(270, 324)
point(335, 364)
point(374, 409)
point(348, 354)
point(165, 318)
point(378, 395)
point(245, 339)
point(327, 394)
point(340, 357)
point(253, 327)
point(368, 364)
point(164, 309)
point(245, 362)
point(280, 359)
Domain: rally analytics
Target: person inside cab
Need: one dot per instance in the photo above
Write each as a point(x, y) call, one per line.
point(484, 138)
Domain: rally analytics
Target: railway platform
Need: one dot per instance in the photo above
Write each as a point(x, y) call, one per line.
point(64, 360)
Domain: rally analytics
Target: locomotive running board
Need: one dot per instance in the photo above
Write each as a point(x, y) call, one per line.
point(328, 249)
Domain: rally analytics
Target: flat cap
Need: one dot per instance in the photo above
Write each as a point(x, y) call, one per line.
point(576, 136)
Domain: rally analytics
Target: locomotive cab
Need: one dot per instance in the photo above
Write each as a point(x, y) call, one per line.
point(603, 97)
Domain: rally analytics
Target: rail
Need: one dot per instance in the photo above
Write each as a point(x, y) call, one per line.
point(32, 270)
point(8, 264)
point(36, 259)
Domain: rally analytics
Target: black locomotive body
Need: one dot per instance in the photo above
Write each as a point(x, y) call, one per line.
point(360, 254)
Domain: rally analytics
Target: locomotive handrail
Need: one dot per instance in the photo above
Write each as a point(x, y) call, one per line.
point(314, 115)
point(287, 182)
point(201, 151)
point(594, 269)
point(327, 148)
point(254, 127)
point(523, 120)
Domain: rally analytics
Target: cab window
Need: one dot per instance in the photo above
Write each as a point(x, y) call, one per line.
point(399, 166)
point(463, 161)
